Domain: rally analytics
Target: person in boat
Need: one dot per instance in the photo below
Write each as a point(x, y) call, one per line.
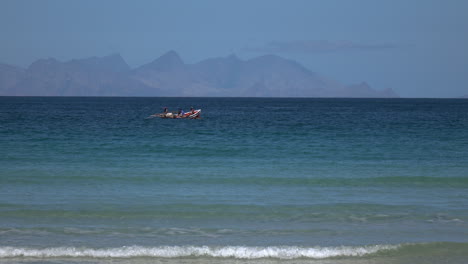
point(192, 111)
point(180, 113)
point(164, 113)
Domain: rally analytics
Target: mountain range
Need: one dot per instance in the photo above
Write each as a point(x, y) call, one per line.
point(168, 75)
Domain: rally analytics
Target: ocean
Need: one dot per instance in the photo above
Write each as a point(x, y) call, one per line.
point(255, 180)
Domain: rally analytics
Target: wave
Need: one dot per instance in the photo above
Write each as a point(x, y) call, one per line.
point(128, 231)
point(238, 252)
point(382, 181)
point(320, 213)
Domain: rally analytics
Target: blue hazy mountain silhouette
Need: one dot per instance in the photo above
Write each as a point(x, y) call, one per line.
point(168, 75)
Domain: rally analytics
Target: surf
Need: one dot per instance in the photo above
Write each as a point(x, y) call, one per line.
point(237, 252)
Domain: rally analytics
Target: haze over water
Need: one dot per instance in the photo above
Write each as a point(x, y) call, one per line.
point(257, 180)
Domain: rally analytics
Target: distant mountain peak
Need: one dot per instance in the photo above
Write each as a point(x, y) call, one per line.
point(112, 63)
point(167, 62)
point(171, 53)
point(116, 62)
point(43, 64)
point(364, 84)
point(268, 58)
point(233, 57)
point(45, 61)
point(114, 55)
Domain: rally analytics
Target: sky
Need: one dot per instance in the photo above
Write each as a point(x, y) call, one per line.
point(419, 48)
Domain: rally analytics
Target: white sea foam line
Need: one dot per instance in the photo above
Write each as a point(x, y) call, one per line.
point(202, 251)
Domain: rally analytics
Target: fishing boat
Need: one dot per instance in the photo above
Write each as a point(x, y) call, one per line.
point(195, 114)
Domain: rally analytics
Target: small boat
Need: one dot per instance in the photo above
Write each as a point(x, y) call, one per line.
point(195, 114)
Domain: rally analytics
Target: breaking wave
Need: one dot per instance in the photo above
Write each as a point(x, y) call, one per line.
point(239, 252)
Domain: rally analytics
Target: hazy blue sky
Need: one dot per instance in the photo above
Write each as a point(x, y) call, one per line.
point(418, 48)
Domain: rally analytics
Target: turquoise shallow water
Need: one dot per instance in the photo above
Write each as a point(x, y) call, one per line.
point(256, 179)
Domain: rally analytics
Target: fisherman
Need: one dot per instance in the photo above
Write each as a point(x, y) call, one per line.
point(193, 115)
point(166, 113)
point(180, 113)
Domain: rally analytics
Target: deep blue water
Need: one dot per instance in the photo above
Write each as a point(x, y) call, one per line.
point(95, 173)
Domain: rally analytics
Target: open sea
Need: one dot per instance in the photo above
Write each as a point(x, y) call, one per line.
point(256, 180)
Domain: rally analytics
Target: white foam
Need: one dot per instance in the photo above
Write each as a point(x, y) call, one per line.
point(241, 252)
